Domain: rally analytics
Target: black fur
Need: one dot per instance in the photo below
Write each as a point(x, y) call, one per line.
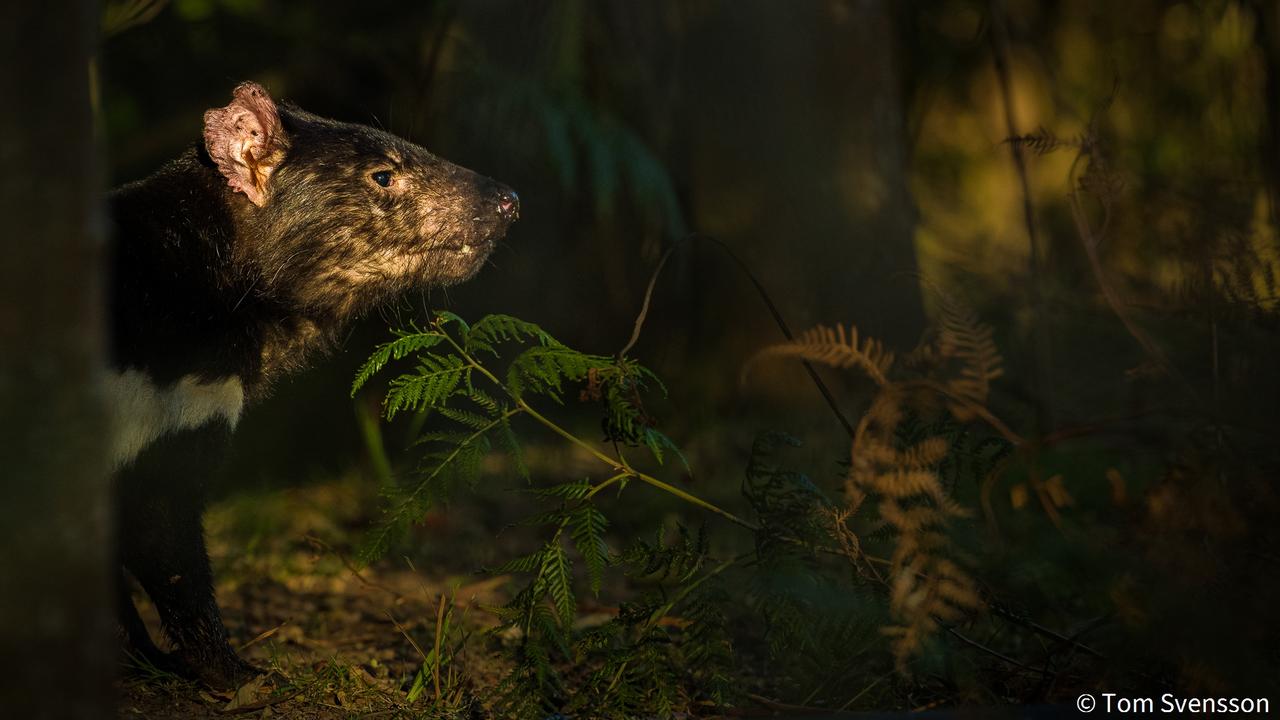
point(208, 285)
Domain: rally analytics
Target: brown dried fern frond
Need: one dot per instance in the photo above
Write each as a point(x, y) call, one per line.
point(909, 520)
point(923, 593)
point(883, 416)
point(836, 348)
point(925, 453)
point(904, 483)
point(922, 544)
point(926, 587)
point(965, 338)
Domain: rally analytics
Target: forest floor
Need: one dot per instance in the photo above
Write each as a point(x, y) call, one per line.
point(338, 641)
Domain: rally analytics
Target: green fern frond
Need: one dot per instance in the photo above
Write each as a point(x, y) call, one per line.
point(486, 402)
point(706, 646)
point(587, 527)
point(401, 347)
point(378, 543)
point(543, 370)
point(557, 517)
point(556, 578)
point(444, 317)
point(494, 329)
point(573, 490)
point(510, 444)
point(658, 443)
point(523, 564)
point(455, 465)
point(434, 382)
point(660, 561)
point(441, 472)
point(467, 418)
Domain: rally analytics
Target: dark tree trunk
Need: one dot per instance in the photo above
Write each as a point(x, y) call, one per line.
point(56, 628)
point(825, 219)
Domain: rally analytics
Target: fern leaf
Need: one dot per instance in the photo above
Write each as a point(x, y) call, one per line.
point(658, 442)
point(523, 564)
point(926, 453)
point(435, 381)
point(900, 483)
point(470, 419)
point(441, 472)
point(569, 491)
point(908, 520)
point(558, 517)
point(486, 402)
point(444, 317)
point(397, 349)
point(544, 370)
point(510, 444)
point(378, 543)
point(964, 337)
point(556, 577)
point(587, 531)
point(493, 329)
point(836, 348)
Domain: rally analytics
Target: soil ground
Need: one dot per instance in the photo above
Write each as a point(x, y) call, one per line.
point(338, 641)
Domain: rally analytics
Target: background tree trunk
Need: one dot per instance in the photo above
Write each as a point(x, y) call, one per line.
point(56, 625)
point(826, 220)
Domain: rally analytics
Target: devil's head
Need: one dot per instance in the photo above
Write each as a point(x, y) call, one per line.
point(336, 217)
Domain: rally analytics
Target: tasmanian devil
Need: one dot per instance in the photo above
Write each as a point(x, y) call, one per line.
point(231, 265)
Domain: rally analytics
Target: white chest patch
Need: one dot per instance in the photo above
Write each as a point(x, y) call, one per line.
point(142, 412)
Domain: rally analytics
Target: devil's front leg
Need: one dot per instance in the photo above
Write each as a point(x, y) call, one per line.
point(161, 501)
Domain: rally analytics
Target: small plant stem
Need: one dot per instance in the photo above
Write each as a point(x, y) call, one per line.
point(624, 468)
point(1043, 354)
point(604, 484)
point(435, 671)
point(448, 459)
point(620, 465)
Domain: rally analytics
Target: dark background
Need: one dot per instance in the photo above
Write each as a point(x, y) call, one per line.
point(854, 155)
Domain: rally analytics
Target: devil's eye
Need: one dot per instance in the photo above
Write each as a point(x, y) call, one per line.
point(382, 177)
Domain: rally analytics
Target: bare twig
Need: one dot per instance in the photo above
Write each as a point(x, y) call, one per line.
point(1043, 366)
point(993, 653)
point(644, 306)
point(782, 325)
point(322, 546)
point(768, 301)
point(407, 636)
point(262, 636)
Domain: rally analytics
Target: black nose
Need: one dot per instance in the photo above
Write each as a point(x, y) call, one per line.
point(508, 204)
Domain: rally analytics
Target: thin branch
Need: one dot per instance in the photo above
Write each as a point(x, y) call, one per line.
point(644, 307)
point(1043, 372)
point(768, 301)
point(782, 325)
point(993, 653)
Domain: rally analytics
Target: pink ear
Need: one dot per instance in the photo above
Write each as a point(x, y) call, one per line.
point(246, 141)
